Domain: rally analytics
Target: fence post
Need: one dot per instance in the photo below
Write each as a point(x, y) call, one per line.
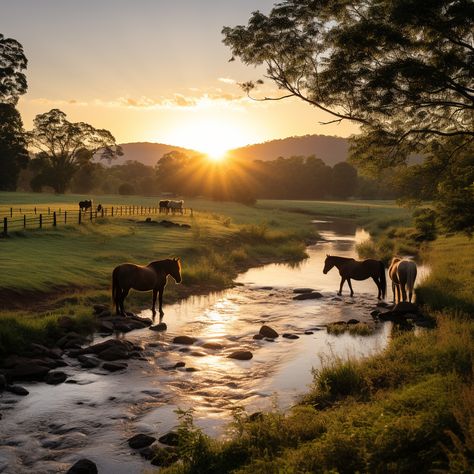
point(80, 217)
point(41, 221)
point(95, 214)
point(102, 212)
point(5, 225)
point(11, 211)
point(35, 210)
point(49, 211)
point(65, 217)
point(24, 221)
point(112, 211)
point(120, 210)
point(54, 219)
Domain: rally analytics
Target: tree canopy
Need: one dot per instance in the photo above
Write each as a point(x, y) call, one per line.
point(12, 62)
point(65, 146)
point(402, 69)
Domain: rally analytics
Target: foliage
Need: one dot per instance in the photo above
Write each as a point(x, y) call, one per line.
point(402, 69)
point(126, 189)
point(12, 62)
point(13, 153)
point(65, 147)
point(344, 180)
point(425, 224)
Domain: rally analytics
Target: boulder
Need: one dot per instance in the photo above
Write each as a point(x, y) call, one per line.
point(187, 340)
point(159, 327)
point(17, 390)
point(405, 307)
point(27, 370)
point(308, 296)
point(240, 355)
point(309, 332)
point(290, 336)
point(83, 466)
point(178, 365)
point(71, 338)
point(106, 313)
point(303, 290)
point(114, 353)
point(197, 354)
point(257, 336)
point(3, 382)
point(114, 366)
point(116, 344)
point(100, 308)
point(55, 378)
point(267, 331)
point(140, 441)
point(191, 369)
point(106, 326)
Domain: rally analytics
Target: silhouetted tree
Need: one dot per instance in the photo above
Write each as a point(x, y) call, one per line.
point(402, 69)
point(65, 147)
point(13, 152)
point(12, 62)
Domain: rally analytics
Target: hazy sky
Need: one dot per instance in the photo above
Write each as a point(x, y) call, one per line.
point(149, 70)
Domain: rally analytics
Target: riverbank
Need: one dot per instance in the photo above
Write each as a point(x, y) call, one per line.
point(409, 409)
point(50, 273)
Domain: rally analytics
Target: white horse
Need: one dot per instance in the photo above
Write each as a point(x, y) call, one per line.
point(176, 206)
point(403, 275)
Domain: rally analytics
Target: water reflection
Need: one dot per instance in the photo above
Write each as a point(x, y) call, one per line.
point(101, 410)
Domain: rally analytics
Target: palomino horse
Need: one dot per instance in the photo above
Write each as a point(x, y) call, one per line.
point(152, 277)
point(350, 268)
point(403, 275)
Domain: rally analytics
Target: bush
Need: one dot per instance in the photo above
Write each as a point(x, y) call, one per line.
point(126, 189)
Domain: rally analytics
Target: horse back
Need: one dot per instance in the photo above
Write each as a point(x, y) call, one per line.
point(138, 277)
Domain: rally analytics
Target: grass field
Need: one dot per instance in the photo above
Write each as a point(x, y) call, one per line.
point(408, 409)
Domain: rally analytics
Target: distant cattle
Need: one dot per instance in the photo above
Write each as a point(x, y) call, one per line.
point(84, 205)
point(168, 206)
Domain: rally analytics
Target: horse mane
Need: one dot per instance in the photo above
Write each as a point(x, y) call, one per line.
point(339, 259)
point(395, 260)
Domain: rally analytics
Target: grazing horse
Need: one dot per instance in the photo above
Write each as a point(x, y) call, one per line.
point(350, 268)
point(164, 206)
point(403, 275)
point(84, 205)
point(152, 277)
point(176, 206)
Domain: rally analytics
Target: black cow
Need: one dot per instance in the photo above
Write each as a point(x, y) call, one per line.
point(84, 205)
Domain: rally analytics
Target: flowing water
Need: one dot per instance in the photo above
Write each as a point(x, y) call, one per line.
point(53, 426)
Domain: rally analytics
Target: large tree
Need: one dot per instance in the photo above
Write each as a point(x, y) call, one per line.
point(13, 152)
point(12, 62)
point(64, 147)
point(402, 69)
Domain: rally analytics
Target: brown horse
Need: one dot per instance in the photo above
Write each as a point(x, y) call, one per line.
point(403, 275)
point(350, 268)
point(152, 277)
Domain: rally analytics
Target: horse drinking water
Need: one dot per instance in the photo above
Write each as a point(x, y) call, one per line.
point(137, 277)
point(403, 275)
point(351, 268)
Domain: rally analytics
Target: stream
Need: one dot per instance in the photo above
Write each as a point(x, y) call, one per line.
point(54, 426)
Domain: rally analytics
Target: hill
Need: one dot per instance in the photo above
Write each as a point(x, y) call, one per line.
point(331, 150)
point(147, 153)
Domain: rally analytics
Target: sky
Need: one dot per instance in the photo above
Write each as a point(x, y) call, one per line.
point(151, 70)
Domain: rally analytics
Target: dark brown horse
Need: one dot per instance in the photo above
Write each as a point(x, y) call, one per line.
point(351, 268)
point(152, 277)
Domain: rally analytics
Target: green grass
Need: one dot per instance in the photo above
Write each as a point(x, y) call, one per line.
point(408, 409)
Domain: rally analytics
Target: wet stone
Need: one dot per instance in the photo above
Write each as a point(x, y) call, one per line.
point(140, 441)
point(17, 390)
point(179, 364)
point(55, 378)
point(191, 369)
point(187, 340)
point(267, 331)
point(114, 366)
point(309, 332)
point(83, 466)
point(303, 290)
point(240, 355)
point(353, 321)
point(88, 362)
point(213, 345)
point(258, 337)
point(159, 327)
point(308, 296)
point(290, 336)
point(3, 382)
point(197, 354)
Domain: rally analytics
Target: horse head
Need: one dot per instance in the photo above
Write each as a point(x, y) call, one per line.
point(328, 264)
point(175, 269)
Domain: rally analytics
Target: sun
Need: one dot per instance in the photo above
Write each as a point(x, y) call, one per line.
point(212, 137)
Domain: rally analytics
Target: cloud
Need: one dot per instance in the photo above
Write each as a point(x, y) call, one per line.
point(227, 80)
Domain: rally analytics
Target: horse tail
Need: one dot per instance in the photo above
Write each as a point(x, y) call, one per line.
point(115, 285)
point(383, 280)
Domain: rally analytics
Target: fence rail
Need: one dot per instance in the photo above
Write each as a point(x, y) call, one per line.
point(16, 219)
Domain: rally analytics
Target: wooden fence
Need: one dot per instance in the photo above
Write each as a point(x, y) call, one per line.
point(17, 218)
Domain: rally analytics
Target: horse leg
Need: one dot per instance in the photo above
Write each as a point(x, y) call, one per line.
point(122, 301)
point(153, 310)
point(340, 286)
point(404, 293)
point(160, 302)
point(393, 291)
point(350, 286)
point(379, 294)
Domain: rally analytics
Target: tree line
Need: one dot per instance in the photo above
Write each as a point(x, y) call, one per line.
point(401, 69)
